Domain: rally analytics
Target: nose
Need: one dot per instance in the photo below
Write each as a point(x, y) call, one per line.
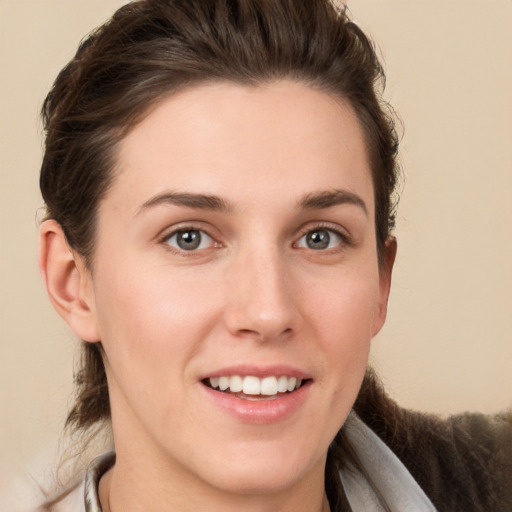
point(260, 301)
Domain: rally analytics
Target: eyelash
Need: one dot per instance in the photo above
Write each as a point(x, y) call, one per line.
point(345, 239)
point(184, 229)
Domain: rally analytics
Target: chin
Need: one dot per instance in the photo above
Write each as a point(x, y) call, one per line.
point(270, 471)
point(257, 481)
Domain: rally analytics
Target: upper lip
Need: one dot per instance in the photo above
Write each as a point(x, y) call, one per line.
point(257, 371)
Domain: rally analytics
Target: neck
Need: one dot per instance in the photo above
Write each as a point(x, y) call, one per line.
point(128, 489)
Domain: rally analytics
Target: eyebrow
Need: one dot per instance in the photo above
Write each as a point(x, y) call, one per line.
point(326, 199)
point(188, 200)
point(313, 201)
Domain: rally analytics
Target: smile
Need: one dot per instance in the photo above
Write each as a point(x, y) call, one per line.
point(251, 387)
point(258, 395)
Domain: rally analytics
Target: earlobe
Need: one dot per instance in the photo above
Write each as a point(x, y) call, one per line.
point(385, 282)
point(67, 281)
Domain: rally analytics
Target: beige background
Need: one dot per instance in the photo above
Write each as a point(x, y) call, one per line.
point(447, 346)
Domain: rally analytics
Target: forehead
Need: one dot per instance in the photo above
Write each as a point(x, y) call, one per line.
point(245, 141)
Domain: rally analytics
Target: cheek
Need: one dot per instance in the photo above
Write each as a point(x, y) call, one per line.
point(345, 303)
point(151, 322)
point(148, 301)
point(342, 313)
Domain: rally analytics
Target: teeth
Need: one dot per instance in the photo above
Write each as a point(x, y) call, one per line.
point(282, 384)
point(269, 386)
point(223, 383)
point(236, 384)
point(292, 383)
point(250, 385)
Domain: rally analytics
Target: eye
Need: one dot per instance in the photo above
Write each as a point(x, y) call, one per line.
point(189, 240)
point(320, 239)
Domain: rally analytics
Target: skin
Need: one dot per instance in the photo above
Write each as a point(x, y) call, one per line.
point(254, 292)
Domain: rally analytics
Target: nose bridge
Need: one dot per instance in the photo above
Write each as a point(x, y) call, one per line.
point(260, 303)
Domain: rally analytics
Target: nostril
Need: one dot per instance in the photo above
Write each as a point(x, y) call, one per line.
point(265, 336)
point(249, 332)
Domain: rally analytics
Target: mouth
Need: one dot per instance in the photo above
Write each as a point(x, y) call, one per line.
point(253, 388)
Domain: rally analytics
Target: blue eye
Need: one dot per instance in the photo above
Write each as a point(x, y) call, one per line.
point(189, 240)
point(320, 239)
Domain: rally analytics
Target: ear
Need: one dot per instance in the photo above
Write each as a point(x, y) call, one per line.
point(67, 281)
point(386, 270)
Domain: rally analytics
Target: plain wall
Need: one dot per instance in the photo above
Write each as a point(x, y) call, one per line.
point(447, 345)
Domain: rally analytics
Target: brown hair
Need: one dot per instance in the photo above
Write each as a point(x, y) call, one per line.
point(152, 48)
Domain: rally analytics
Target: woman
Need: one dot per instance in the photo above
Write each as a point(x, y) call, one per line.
point(219, 180)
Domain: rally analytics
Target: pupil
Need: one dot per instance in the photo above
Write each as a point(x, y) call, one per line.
point(318, 239)
point(189, 240)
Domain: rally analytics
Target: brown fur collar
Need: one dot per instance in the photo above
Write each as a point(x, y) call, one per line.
point(463, 463)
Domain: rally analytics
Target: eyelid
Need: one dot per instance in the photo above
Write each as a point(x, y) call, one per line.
point(346, 238)
point(169, 232)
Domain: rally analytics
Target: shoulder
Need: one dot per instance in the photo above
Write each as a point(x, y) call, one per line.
point(463, 462)
point(73, 502)
point(69, 499)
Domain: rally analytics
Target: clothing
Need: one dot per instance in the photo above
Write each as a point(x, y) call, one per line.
point(463, 463)
point(418, 462)
point(393, 480)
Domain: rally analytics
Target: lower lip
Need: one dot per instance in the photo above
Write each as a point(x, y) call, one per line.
point(259, 411)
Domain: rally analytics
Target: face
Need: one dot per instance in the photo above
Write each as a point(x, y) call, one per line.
point(235, 286)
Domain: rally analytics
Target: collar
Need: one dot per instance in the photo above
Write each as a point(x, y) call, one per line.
point(97, 468)
point(392, 479)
